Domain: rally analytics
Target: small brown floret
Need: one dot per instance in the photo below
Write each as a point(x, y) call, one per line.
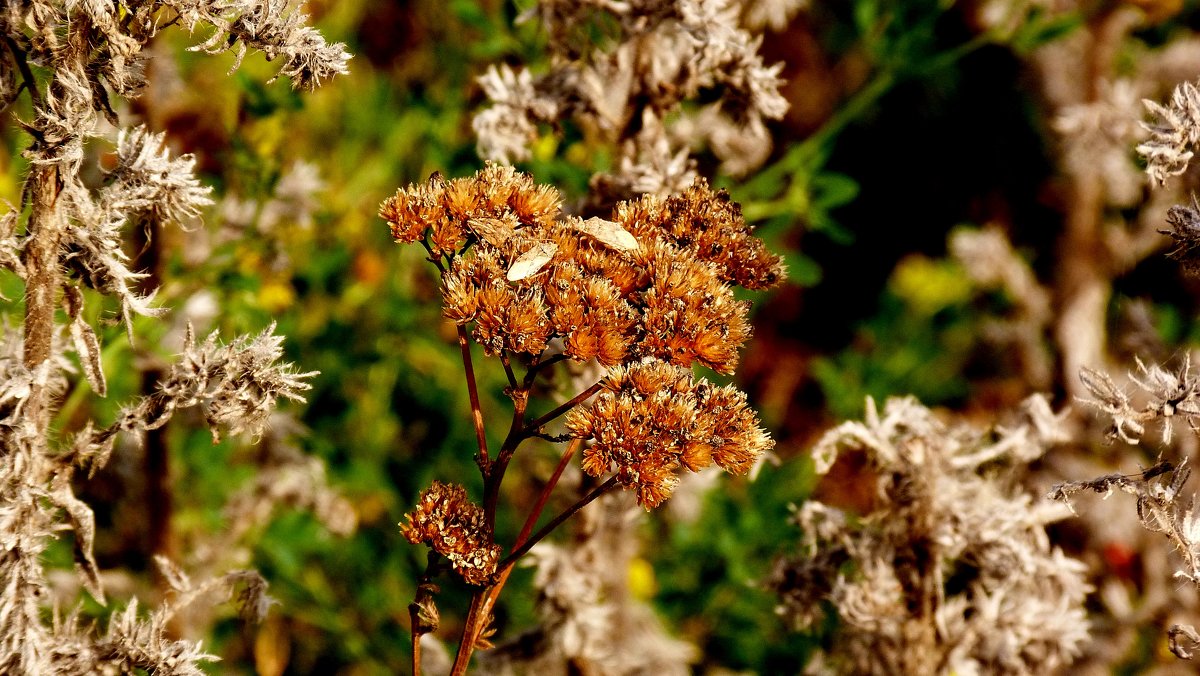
point(535, 204)
point(405, 227)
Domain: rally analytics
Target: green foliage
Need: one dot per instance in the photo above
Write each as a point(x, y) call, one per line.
point(918, 342)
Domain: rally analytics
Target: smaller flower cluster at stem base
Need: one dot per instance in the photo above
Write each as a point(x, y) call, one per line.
point(454, 527)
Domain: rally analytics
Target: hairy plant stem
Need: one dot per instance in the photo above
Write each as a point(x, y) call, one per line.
point(1084, 281)
point(422, 612)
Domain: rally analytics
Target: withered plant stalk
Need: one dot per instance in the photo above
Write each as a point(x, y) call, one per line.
point(646, 295)
point(73, 240)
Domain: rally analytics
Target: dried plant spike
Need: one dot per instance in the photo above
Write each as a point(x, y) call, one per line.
point(70, 232)
point(1185, 231)
point(1184, 631)
point(1174, 136)
point(87, 346)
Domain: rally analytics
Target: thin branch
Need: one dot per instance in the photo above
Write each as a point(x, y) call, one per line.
point(493, 593)
point(557, 521)
point(464, 346)
point(471, 629)
point(495, 471)
point(508, 370)
point(535, 427)
point(433, 258)
point(540, 366)
point(28, 81)
point(1129, 483)
point(536, 512)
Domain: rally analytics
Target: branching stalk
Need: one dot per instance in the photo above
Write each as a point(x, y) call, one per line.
point(533, 427)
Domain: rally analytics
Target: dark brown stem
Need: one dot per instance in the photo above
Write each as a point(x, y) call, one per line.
point(495, 474)
point(464, 346)
point(536, 512)
point(533, 427)
point(484, 600)
point(517, 433)
point(537, 368)
point(433, 258)
point(493, 593)
point(508, 370)
point(22, 61)
point(156, 464)
point(471, 629)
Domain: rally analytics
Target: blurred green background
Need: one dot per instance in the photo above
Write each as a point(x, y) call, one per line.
point(907, 121)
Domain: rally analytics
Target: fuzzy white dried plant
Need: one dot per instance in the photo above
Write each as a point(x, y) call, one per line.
point(988, 258)
point(1170, 394)
point(950, 571)
point(72, 240)
point(1097, 134)
point(1174, 136)
point(628, 93)
point(1163, 506)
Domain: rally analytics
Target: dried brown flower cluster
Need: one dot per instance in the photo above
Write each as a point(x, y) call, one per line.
point(646, 295)
point(655, 282)
point(653, 418)
point(455, 528)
